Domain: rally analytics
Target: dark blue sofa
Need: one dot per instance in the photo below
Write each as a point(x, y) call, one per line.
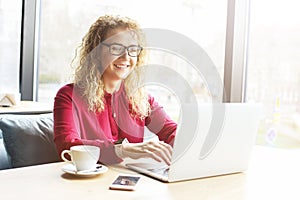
point(26, 140)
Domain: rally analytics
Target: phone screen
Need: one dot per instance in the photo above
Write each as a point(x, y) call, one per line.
point(125, 182)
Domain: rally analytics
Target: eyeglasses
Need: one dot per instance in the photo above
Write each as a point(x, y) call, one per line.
point(119, 49)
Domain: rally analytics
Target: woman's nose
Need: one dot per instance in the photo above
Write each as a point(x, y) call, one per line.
point(125, 54)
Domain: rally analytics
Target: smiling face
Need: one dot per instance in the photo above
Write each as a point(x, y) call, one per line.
point(117, 67)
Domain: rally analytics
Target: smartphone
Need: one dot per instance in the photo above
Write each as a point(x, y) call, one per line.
point(125, 182)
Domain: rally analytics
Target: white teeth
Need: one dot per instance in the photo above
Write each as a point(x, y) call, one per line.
point(121, 66)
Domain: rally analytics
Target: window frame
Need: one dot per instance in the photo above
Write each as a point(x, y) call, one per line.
point(236, 51)
point(30, 49)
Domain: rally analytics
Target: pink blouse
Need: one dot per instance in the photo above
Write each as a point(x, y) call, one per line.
point(74, 124)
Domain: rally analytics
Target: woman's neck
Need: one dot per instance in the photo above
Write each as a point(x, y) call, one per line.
point(112, 86)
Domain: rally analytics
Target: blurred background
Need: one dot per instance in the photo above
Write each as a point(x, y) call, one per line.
point(272, 75)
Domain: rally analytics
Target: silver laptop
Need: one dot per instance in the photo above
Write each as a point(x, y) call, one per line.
point(211, 140)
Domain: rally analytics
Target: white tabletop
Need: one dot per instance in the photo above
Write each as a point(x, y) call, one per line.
point(273, 174)
point(27, 107)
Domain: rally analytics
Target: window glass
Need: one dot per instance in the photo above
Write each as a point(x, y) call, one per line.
point(64, 23)
point(274, 71)
point(10, 35)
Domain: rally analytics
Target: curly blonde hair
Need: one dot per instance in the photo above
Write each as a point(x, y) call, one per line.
point(88, 71)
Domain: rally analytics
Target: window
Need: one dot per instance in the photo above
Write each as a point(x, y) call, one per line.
point(274, 71)
point(10, 35)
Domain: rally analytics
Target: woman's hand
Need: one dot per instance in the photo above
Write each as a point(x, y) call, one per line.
point(158, 150)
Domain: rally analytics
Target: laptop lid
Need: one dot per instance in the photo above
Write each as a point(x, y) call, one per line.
point(222, 144)
point(216, 140)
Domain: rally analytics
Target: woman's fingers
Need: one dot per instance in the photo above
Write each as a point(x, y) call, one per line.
point(168, 149)
point(151, 154)
point(160, 149)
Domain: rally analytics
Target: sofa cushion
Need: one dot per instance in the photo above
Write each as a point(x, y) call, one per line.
point(28, 139)
point(4, 160)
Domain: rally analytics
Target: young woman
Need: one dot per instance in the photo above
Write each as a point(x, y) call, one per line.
point(106, 105)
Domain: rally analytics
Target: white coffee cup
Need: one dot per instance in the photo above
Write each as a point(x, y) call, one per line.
point(83, 157)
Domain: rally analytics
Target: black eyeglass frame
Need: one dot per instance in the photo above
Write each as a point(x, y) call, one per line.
point(126, 48)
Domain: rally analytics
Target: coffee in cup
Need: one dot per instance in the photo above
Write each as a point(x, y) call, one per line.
point(83, 157)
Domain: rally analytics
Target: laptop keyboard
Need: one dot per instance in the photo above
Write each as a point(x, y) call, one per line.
point(164, 171)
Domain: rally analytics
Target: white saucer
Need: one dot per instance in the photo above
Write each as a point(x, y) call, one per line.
point(71, 169)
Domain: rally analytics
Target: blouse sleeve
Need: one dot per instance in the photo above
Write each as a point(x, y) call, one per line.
point(160, 123)
point(67, 127)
